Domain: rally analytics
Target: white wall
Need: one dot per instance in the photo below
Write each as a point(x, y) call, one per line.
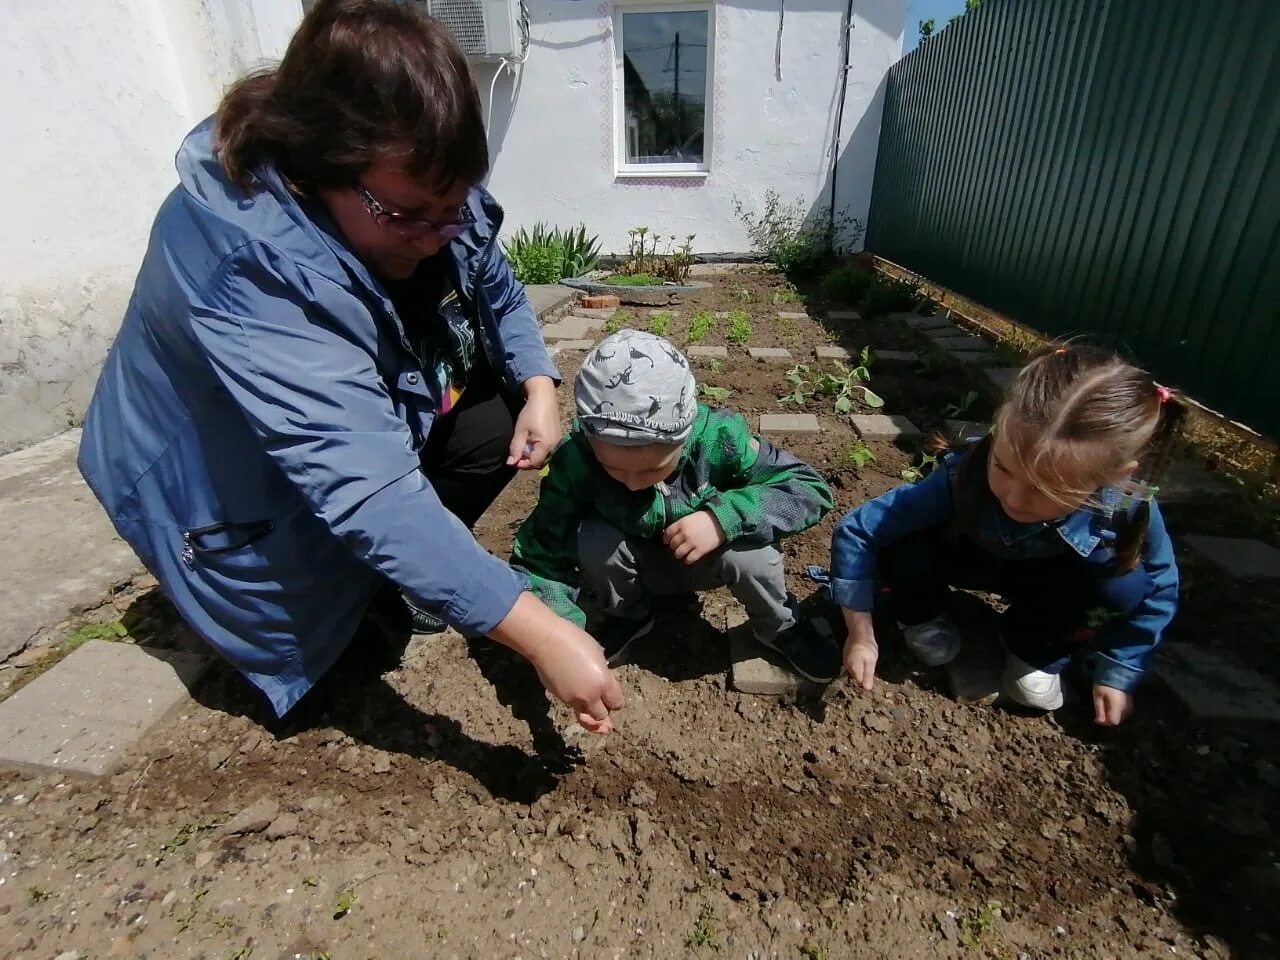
point(552, 131)
point(94, 100)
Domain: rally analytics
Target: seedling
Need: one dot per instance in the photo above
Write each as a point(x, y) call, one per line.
point(184, 919)
point(977, 923)
point(787, 326)
point(96, 631)
point(851, 381)
point(812, 951)
point(660, 322)
point(346, 900)
point(801, 386)
point(739, 327)
point(745, 295)
point(616, 322)
point(184, 836)
point(704, 934)
point(859, 455)
point(701, 324)
point(38, 894)
point(718, 394)
point(916, 473)
point(955, 411)
point(790, 295)
point(244, 953)
point(715, 365)
point(311, 881)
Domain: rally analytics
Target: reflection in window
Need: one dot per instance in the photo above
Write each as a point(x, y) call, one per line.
point(664, 84)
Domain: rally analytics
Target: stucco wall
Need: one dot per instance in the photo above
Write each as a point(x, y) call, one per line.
point(94, 99)
point(552, 132)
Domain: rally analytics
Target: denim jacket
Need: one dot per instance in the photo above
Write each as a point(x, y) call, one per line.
point(1146, 597)
point(255, 431)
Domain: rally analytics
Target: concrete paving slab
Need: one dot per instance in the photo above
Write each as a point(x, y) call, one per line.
point(1003, 377)
point(757, 670)
point(962, 344)
point(879, 426)
point(831, 353)
point(702, 350)
point(571, 328)
point(1185, 481)
point(769, 353)
point(86, 713)
point(843, 315)
point(570, 346)
point(964, 430)
point(1215, 685)
point(937, 322)
point(1245, 559)
point(549, 298)
point(943, 333)
point(792, 315)
point(773, 423)
point(895, 356)
point(593, 313)
point(58, 550)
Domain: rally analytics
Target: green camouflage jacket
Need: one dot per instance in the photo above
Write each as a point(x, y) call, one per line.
point(757, 492)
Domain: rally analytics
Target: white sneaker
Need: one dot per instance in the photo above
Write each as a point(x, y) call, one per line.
point(934, 642)
point(1031, 687)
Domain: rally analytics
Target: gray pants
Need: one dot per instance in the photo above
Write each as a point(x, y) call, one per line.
point(624, 573)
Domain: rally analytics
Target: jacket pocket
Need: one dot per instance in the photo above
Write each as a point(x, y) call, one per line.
point(223, 537)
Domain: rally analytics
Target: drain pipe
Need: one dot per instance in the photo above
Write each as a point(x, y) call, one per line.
point(835, 142)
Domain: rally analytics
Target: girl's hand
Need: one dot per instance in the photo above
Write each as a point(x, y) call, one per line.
point(537, 427)
point(861, 652)
point(1111, 706)
point(695, 536)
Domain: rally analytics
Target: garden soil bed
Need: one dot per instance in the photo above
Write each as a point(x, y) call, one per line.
point(427, 801)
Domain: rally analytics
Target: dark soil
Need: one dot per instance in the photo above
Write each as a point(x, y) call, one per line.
point(427, 801)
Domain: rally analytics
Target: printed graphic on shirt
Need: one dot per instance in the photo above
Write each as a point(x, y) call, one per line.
point(448, 350)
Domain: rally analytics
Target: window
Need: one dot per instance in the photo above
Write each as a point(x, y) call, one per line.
point(664, 79)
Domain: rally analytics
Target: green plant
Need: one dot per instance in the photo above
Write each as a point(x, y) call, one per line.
point(789, 295)
point(859, 455)
point(544, 254)
point(745, 295)
point(700, 324)
point(185, 918)
point(96, 631)
point(889, 294)
point(851, 381)
point(718, 394)
point(243, 953)
point(715, 364)
point(954, 411)
point(616, 322)
point(346, 900)
point(812, 951)
point(801, 387)
point(786, 326)
point(38, 894)
point(185, 835)
point(917, 472)
point(739, 327)
point(847, 284)
point(311, 881)
point(703, 934)
point(797, 241)
point(671, 264)
point(976, 923)
point(634, 280)
point(659, 322)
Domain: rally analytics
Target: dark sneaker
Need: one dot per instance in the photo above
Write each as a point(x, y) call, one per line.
point(423, 621)
point(815, 657)
point(615, 635)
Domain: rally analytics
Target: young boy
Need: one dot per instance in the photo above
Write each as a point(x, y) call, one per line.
point(655, 493)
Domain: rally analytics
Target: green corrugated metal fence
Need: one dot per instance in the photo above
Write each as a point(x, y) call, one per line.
point(1109, 167)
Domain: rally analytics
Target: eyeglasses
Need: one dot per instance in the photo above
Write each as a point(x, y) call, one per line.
point(414, 226)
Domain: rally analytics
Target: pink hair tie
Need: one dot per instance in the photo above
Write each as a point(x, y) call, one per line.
point(1164, 393)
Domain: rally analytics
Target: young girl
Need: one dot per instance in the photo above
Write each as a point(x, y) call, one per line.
point(1043, 512)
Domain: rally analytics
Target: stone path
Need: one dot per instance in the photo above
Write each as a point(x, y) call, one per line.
point(879, 426)
point(83, 716)
point(58, 550)
point(1244, 559)
point(769, 353)
point(1216, 686)
point(798, 423)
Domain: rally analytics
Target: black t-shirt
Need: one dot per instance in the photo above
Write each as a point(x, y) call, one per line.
point(441, 331)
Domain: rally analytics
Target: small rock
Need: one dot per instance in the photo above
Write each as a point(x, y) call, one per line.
point(984, 863)
point(170, 899)
point(218, 756)
point(348, 759)
point(877, 723)
point(69, 955)
point(443, 793)
point(578, 934)
point(203, 859)
point(382, 763)
point(641, 794)
point(641, 830)
point(254, 818)
point(285, 825)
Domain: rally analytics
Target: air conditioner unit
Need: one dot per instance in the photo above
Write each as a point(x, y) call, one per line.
point(485, 29)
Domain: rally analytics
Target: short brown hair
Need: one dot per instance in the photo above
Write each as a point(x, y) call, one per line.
point(361, 79)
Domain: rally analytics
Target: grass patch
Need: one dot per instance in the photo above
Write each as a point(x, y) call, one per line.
point(703, 933)
point(634, 280)
point(700, 325)
point(660, 322)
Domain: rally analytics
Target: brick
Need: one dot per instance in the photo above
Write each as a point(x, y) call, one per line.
point(964, 430)
point(792, 315)
point(769, 353)
point(86, 713)
point(831, 353)
point(702, 350)
point(879, 426)
point(1216, 686)
point(757, 670)
point(788, 423)
point(571, 328)
point(603, 301)
point(843, 315)
point(1245, 559)
point(571, 346)
point(1003, 377)
point(895, 356)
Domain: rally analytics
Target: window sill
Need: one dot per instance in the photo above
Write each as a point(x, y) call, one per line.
point(660, 173)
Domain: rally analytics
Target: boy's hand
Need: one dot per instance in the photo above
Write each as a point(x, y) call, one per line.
point(694, 537)
point(1111, 706)
point(861, 652)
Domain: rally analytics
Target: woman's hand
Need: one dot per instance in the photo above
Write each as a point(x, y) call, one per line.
point(537, 428)
point(1111, 706)
point(861, 652)
point(569, 662)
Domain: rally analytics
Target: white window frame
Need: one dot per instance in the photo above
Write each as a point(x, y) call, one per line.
point(689, 171)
